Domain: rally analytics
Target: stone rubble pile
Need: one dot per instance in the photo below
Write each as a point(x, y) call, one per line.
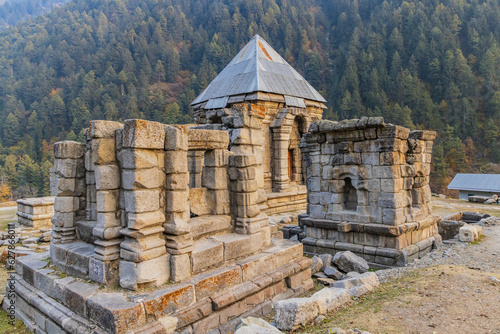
point(292, 313)
point(494, 199)
point(328, 269)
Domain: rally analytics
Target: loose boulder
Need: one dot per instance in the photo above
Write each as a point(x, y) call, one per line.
point(348, 261)
point(327, 260)
point(469, 233)
point(359, 285)
point(316, 265)
point(333, 273)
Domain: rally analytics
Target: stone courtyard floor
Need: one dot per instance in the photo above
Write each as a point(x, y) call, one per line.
point(448, 291)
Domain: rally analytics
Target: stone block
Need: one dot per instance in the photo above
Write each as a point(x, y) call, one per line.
point(292, 313)
point(141, 179)
point(103, 129)
point(142, 200)
point(214, 178)
point(216, 158)
point(138, 159)
point(393, 131)
point(107, 200)
point(330, 299)
point(76, 294)
point(240, 174)
point(176, 201)
point(69, 168)
point(469, 233)
point(155, 272)
point(193, 313)
point(177, 181)
point(295, 280)
point(143, 134)
point(69, 150)
point(207, 285)
point(103, 272)
point(176, 138)
point(391, 185)
point(348, 261)
point(207, 253)
point(66, 204)
point(103, 151)
point(176, 162)
point(139, 221)
point(113, 313)
point(180, 267)
point(236, 245)
point(107, 177)
point(386, 172)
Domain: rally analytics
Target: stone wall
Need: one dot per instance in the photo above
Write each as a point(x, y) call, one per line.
point(368, 190)
point(35, 212)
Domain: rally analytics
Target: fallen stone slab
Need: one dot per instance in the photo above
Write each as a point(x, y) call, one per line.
point(326, 281)
point(291, 313)
point(330, 299)
point(348, 261)
point(252, 325)
point(469, 233)
point(360, 284)
point(333, 272)
point(316, 265)
point(327, 260)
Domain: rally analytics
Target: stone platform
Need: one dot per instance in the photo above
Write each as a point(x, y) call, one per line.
point(36, 212)
point(380, 245)
point(48, 301)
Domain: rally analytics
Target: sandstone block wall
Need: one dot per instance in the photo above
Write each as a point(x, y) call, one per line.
point(368, 190)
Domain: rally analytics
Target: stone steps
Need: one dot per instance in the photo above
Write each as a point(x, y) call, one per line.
point(210, 300)
point(205, 226)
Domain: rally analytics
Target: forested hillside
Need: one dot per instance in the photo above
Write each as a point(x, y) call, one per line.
point(422, 64)
point(14, 11)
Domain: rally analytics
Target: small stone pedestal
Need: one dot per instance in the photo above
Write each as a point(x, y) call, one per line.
point(35, 212)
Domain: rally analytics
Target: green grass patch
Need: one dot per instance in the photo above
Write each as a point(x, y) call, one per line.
point(478, 241)
point(7, 328)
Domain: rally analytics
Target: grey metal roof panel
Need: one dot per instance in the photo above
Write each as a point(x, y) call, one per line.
point(294, 102)
point(477, 182)
point(258, 67)
point(218, 103)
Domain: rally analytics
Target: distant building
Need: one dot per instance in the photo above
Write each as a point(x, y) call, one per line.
point(475, 185)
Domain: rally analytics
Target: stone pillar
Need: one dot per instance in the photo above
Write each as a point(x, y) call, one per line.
point(103, 169)
point(281, 136)
point(177, 214)
point(215, 180)
point(143, 257)
point(68, 185)
point(195, 167)
point(246, 214)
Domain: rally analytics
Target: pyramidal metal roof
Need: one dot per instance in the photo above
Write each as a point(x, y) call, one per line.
point(257, 68)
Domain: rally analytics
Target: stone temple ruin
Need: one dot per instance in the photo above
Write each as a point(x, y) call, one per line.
point(260, 82)
point(368, 190)
point(164, 229)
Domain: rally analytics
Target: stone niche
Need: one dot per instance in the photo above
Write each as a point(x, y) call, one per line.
point(368, 190)
point(157, 229)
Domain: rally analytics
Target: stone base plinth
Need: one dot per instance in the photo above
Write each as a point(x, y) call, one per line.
point(291, 200)
point(36, 212)
point(380, 245)
point(211, 301)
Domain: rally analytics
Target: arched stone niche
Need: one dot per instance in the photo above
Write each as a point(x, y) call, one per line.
point(286, 164)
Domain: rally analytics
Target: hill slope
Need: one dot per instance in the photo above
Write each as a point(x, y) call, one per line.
point(422, 64)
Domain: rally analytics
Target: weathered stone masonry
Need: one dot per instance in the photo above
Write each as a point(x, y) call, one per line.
point(368, 190)
point(129, 219)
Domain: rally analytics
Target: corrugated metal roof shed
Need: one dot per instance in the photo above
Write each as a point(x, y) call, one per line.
point(477, 182)
point(258, 68)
